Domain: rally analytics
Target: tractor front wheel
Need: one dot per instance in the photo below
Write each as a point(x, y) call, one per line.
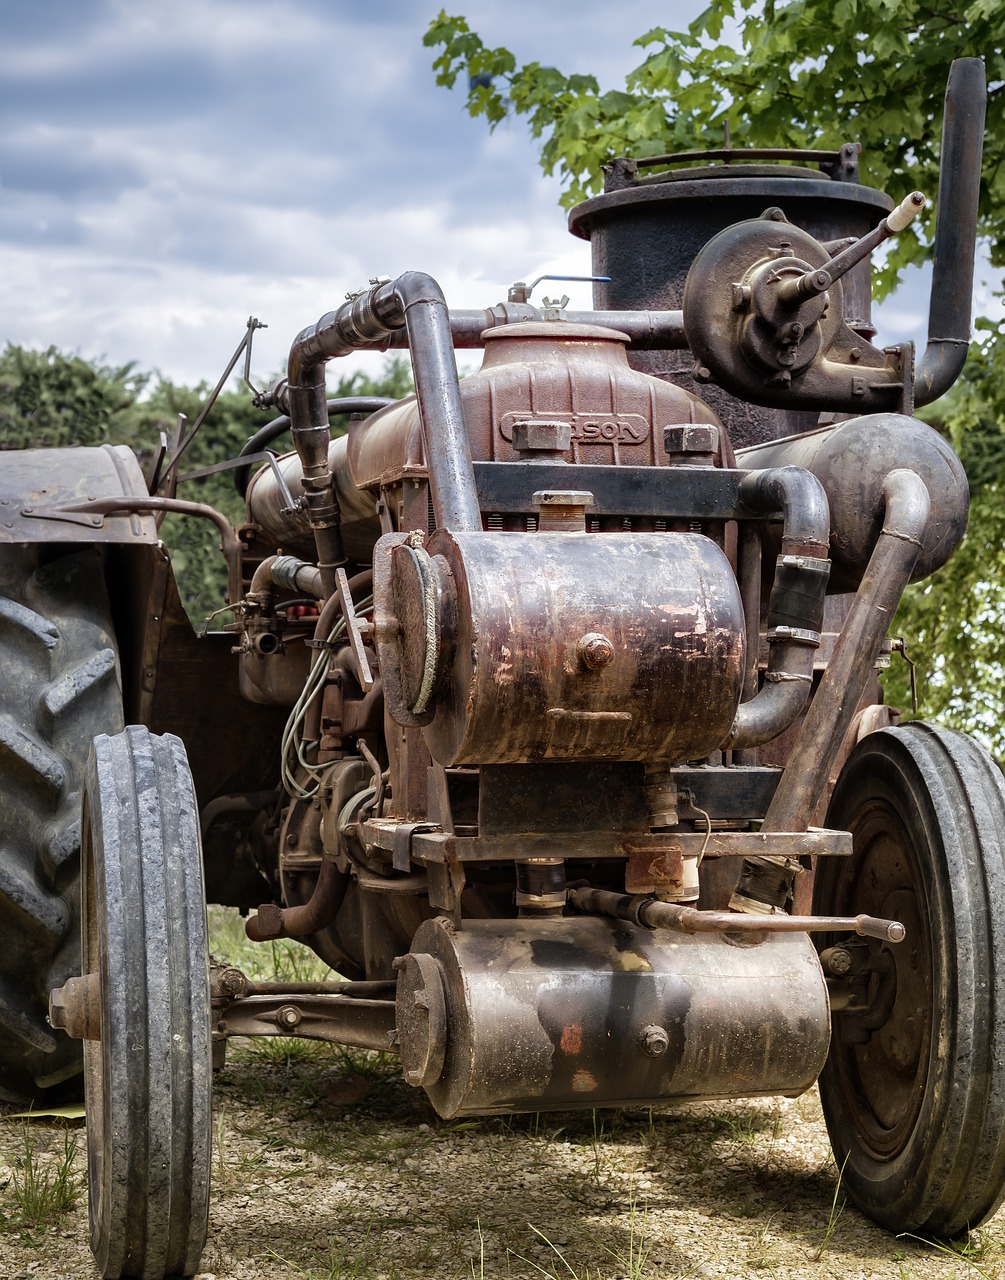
point(914, 1088)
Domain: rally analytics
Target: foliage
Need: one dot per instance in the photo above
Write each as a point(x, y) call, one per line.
point(791, 73)
point(48, 398)
point(51, 399)
point(816, 73)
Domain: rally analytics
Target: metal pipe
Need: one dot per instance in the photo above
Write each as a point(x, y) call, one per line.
point(831, 712)
point(284, 571)
point(279, 396)
point(650, 913)
point(229, 542)
point(750, 594)
point(272, 921)
point(796, 603)
point(646, 330)
point(955, 231)
point(413, 301)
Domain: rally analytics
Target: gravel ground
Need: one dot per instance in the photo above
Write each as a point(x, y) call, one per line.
point(327, 1165)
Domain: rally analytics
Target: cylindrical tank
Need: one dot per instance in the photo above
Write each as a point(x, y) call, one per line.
point(525, 1015)
point(851, 460)
point(646, 230)
point(563, 646)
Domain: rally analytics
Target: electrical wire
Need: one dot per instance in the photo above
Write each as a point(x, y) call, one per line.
point(294, 749)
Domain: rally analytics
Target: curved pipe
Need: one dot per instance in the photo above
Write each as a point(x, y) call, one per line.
point(284, 571)
point(843, 682)
point(230, 544)
point(796, 603)
point(272, 921)
point(413, 301)
point(279, 426)
point(955, 231)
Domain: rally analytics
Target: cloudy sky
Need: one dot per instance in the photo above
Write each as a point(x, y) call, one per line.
point(168, 167)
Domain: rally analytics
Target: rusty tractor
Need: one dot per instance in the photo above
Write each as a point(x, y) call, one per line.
point(548, 694)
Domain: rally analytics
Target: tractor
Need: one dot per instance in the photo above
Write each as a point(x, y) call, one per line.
point(546, 715)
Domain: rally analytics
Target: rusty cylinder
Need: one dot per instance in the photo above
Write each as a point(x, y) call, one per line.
point(510, 648)
point(529, 1015)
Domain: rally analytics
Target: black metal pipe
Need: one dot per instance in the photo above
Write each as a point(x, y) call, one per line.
point(796, 603)
point(414, 302)
point(955, 231)
point(851, 665)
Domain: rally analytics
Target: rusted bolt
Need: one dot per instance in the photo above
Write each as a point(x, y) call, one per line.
point(654, 1040)
point(233, 982)
point(595, 650)
point(75, 1007)
point(288, 1016)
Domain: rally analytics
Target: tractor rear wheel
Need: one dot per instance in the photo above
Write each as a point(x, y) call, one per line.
point(147, 1080)
point(59, 686)
point(914, 1088)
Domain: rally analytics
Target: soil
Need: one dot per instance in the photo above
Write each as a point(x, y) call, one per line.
point(327, 1165)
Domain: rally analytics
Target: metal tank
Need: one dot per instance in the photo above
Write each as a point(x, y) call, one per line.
point(655, 216)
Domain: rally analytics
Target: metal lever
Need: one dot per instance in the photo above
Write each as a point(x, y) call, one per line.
point(359, 658)
point(812, 283)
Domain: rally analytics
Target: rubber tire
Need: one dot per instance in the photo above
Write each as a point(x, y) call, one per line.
point(916, 1116)
point(148, 1079)
point(59, 686)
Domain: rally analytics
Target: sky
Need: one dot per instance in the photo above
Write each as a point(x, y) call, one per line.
point(170, 167)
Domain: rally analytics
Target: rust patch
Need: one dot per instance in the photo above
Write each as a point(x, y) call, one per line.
point(584, 1082)
point(572, 1039)
point(650, 869)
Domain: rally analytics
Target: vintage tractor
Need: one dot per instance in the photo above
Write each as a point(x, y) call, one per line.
point(539, 709)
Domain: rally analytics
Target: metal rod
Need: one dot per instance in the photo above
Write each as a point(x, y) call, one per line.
point(653, 914)
point(229, 543)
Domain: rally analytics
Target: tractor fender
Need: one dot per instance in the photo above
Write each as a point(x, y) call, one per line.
point(40, 487)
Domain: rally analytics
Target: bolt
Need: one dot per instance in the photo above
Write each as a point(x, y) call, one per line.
point(654, 1040)
point(595, 650)
point(233, 982)
point(701, 374)
point(288, 1016)
point(839, 961)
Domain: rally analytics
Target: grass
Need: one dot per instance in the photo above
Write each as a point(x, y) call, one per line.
point(43, 1186)
point(837, 1208)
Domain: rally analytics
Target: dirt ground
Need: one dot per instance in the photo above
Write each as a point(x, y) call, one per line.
point(327, 1165)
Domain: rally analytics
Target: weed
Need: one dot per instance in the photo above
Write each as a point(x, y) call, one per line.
point(629, 1266)
point(838, 1202)
point(974, 1248)
point(42, 1191)
point(347, 1261)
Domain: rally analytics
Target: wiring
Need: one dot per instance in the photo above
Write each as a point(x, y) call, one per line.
point(294, 748)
